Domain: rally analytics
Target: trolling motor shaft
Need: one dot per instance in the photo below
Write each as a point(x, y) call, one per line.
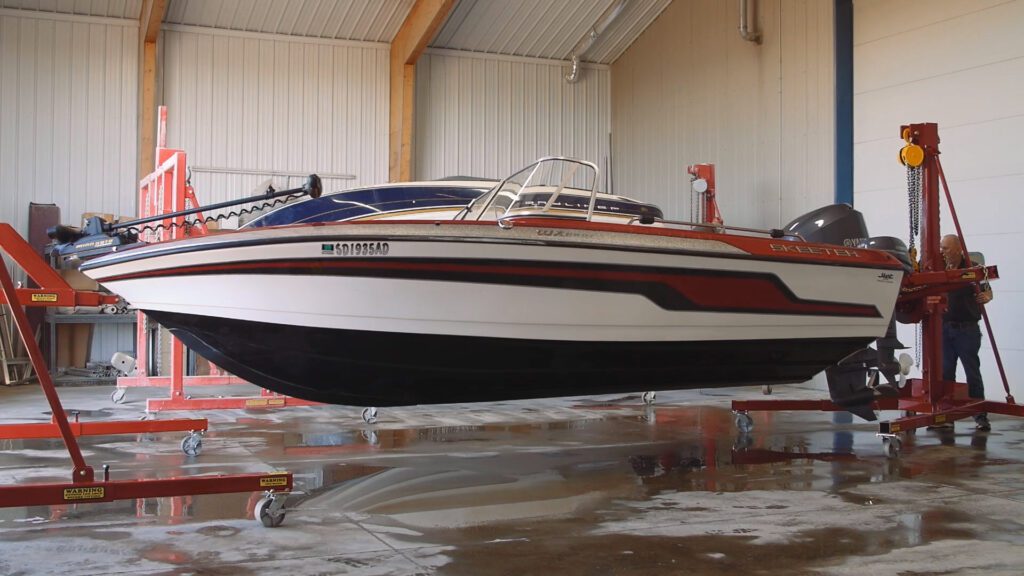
point(99, 237)
point(312, 187)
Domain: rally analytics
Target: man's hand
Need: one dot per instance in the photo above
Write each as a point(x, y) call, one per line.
point(984, 297)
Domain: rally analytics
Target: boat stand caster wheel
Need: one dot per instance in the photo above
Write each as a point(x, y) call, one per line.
point(744, 423)
point(117, 396)
point(892, 445)
point(766, 390)
point(649, 397)
point(369, 415)
point(370, 436)
point(192, 444)
point(270, 510)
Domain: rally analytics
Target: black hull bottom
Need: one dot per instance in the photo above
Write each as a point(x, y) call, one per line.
point(359, 368)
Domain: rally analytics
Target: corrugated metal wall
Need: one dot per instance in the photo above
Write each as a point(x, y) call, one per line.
point(961, 65)
point(68, 106)
point(690, 90)
point(488, 116)
point(254, 103)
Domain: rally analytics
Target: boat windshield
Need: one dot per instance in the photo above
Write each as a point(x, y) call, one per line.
point(538, 190)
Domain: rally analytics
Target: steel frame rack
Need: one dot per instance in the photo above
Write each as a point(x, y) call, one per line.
point(163, 191)
point(85, 488)
point(928, 400)
point(55, 291)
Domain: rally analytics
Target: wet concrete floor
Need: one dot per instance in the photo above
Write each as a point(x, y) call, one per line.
point(600, 485)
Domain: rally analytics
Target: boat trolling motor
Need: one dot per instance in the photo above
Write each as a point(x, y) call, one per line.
point(98, 236)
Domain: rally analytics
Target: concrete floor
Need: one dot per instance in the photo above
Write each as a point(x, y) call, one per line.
point(566, 486)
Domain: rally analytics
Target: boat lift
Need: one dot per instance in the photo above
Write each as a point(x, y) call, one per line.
point(84, 488)
point(929, 400)
point(55, 291)
point(165, 197)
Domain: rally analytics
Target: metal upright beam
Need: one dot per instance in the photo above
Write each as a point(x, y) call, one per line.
point(843, 21)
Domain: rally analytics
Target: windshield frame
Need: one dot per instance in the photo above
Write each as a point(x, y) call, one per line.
point(481, 206)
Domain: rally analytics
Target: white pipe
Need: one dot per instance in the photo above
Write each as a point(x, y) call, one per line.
point(602, 23)
point(745, 32)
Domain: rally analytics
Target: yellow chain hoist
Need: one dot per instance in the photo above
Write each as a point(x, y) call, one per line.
point(911, 155)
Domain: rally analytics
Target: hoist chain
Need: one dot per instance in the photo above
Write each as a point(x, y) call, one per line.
point(914, 200)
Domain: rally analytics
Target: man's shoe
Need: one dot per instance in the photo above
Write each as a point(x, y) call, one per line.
point(982, 424)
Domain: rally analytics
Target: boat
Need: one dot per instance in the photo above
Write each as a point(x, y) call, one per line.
point(523, 294)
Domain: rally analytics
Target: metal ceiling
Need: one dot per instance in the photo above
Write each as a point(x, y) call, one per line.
point(542, 28)
point(533, 28)
point(101, 8)
point(365, 20)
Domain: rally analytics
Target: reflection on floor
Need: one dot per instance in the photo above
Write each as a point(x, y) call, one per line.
point(570, 486)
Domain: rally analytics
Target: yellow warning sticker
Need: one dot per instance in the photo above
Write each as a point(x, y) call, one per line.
point(44, 297)
point(276, 480)
point(940, 418)
point(84, 493)
point(894, 428)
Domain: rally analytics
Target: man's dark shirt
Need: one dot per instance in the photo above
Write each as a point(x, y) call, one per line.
point(962, 306)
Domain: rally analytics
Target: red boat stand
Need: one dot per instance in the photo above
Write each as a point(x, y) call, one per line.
point(928, 400)
point(85, 488)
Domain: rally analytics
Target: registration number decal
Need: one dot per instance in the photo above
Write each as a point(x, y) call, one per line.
point(357, 249)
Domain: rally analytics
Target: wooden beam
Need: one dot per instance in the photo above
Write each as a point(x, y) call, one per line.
point(150, 18)
point(419, 28)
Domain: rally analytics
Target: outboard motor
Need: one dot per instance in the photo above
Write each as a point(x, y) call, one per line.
point(855, 382)
point(837, 224)
point(892, 245)
point(73, 245)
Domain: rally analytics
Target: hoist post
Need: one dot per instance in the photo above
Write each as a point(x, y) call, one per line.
point(926, 136)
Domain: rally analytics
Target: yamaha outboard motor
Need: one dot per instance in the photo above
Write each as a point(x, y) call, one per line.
point(892, 245)
point(836, 224)
point(854, 382)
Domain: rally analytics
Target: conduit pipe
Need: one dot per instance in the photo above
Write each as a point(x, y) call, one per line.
point(745, 32)
point(602, 23)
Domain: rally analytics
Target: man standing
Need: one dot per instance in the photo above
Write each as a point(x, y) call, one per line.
point(961, 335)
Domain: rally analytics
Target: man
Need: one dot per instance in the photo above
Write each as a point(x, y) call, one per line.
point(961, 335)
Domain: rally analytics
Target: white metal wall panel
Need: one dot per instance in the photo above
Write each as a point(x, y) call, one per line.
point(68, 123)
point(690, 90)
point(260, 104)
point(961, 65)
point(488, 116)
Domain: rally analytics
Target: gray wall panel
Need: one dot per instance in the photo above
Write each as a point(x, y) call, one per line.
point(488, 116)
point(273, 104)
point(690, 90)
point(68, 104)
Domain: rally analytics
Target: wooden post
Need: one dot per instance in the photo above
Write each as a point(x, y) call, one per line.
point(150, 17)
point(420, 26)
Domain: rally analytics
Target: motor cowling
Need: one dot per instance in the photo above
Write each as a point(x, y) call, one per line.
point(837, 224)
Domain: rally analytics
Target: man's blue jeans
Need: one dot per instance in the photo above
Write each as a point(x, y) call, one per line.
point(962, 342)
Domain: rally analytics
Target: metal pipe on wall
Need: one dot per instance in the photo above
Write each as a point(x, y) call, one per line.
point(746, 32)
point(602, 23)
